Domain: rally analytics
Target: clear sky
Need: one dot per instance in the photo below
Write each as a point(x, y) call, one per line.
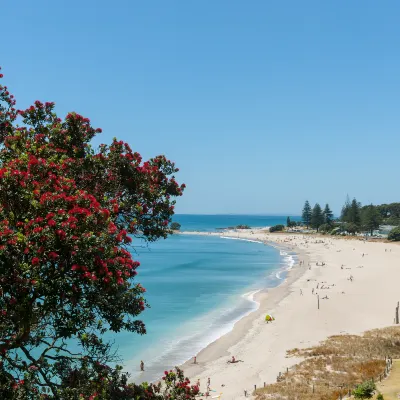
point(262, 104)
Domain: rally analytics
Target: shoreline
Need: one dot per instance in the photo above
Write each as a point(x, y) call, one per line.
point(256, 295)
point(298, 321)
point(266, 297)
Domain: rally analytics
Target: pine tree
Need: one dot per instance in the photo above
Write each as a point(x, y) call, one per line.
point(371, 218)
point(354, 214)
point(288, 224)
point(306, 214)
point(345, 210)
point(317, 217)
point(328, 215)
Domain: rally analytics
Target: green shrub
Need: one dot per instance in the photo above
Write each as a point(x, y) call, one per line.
point(351, 228)
point(365, 390)
point(175, 226)
point(380, 397)
point(394, 234)
point(277, 228)
point(335, 231)
point(243, 227)
point(325, 228)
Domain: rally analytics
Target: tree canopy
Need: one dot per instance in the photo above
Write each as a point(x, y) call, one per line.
point(394, 234)
point(317, 217)
point(68, 213)
point(328, 215)
point(371, 218)
point(306, 214)
point(351, 215)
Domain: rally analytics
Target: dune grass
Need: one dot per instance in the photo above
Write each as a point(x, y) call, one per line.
point(336, 366)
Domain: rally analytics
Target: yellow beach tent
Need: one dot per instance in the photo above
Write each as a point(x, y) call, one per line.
point(269, 318)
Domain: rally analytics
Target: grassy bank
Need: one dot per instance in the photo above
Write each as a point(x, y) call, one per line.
point(336, 366)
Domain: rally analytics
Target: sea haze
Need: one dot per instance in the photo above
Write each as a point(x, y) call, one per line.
point(197, 288)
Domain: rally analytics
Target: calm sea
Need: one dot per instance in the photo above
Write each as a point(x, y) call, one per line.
point(197, 288)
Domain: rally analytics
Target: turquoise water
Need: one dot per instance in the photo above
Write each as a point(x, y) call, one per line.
point(212, 222)
point(197, 287)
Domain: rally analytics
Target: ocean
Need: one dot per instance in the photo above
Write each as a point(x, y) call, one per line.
point(197, 288)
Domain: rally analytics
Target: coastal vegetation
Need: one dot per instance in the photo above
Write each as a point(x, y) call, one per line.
point(277, 228)
point(243, 227)
point(354, 218)
point(306, 214)
point(68, 213)
point(394, 234)
point(340, 365)
point(175, 226)
point(364, 390)
point(290, 223)
point(315, 217)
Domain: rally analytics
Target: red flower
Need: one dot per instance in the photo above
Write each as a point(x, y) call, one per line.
point(53, 255)
point(51, 222)
point(61, 234)
point(112, 228)
point(35, 261)
point(75, 267)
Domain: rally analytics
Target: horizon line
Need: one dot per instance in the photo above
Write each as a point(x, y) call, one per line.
point(241, 214)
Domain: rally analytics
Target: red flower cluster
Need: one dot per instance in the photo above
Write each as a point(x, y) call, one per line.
point(67, 215)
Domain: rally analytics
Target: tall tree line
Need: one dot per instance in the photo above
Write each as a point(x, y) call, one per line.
point(316, 217)
point(353, 218)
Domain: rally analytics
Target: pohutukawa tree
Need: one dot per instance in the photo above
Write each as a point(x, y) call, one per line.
point(68, 213)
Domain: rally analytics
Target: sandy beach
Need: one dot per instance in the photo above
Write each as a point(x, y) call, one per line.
point(357, 283)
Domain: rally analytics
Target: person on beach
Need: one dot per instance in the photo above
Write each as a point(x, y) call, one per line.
point(141, 365)
point(233, 359)
point(208, 382)
point(301, 292)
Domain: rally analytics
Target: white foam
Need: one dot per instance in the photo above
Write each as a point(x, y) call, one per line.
point(290, 261)
point(191, 343)
point(244, 240)
point(250, 296)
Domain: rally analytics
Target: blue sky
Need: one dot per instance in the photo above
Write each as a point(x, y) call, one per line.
point(262, 104)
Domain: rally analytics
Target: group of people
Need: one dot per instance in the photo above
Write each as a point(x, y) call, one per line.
point(208, 386)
